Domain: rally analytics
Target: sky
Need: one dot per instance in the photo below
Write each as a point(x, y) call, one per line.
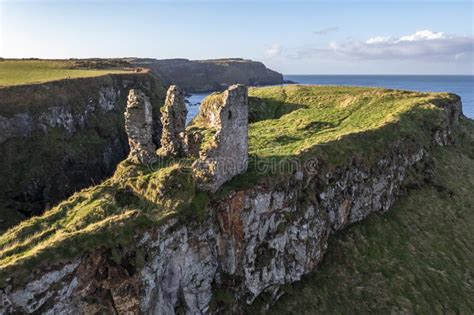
point(292, 37)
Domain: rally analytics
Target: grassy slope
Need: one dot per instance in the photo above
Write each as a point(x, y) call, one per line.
point(103, 215)
point(17, 72)
point(326, 114)
point(417, 258)
point(333, 124)
point(135, 197)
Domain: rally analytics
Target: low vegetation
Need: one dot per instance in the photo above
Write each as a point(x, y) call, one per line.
point(316, 120)
point(330, 123)
point(415, 259)
point(334, 125)
point(27, 71)
point(136, 197)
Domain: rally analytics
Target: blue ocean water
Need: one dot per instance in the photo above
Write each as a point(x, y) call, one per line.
point(460, 85)
point(193, 102)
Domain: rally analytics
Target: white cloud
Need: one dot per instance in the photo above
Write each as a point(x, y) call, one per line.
point(422, 35)
point(273, 50)
point(425, 44)
point(377, 39)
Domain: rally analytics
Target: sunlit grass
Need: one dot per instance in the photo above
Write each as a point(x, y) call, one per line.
point(331, 123)
point(417, 258)
point(17, 72)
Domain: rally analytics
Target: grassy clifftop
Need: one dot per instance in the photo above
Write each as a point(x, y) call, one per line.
point(335, 124)
point(329, 123)
point(18, 72)
point(417, 258)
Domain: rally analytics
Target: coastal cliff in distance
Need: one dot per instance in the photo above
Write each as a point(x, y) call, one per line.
point(210, 75)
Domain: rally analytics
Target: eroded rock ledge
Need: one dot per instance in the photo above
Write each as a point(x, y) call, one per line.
point(250, 243)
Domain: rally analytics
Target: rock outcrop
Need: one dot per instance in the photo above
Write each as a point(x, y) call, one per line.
point(58, 137)
point(139, 128)
point(227, 155)
point(173, 120)
point(210, 75)
point(249, 243)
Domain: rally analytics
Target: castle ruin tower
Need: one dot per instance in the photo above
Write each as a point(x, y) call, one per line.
point(227, 156)
point(139, 128)
point(173, 120)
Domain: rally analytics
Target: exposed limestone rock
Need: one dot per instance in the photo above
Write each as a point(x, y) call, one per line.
point(139, 127)
point(227, 156)
point(173, 119)
point(179, 277)
point(446, 136)
point(250, 242)
point(108, 98)
point(22, 125)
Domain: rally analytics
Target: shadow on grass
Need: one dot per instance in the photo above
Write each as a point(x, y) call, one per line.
point(414, 128)
point(269, 108)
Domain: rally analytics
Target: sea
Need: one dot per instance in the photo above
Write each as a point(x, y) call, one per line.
point(462, 85)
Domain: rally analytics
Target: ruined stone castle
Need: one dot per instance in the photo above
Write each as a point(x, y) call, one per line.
point(227, 155)
point(173, 119)
point(139, 128)
point(219, 160)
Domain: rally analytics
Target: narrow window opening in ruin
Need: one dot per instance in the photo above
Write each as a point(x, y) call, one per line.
point(230, 115)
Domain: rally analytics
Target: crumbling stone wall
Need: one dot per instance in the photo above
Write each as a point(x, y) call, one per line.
point(173, 119)
point(227, 156)
point(192, 141)
point(139, 128)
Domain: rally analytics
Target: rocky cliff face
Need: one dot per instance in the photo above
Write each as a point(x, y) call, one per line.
point(58, 137)
point(250, 242)
point(210, 75)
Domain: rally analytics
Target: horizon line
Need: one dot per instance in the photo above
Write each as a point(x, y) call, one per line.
point(362, 74)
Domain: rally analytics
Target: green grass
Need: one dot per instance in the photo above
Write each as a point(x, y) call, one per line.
point(136, 197)
point(417, 258)
point(18, 72)
point(331, 123)
point(326, 114)
point(334, 125)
